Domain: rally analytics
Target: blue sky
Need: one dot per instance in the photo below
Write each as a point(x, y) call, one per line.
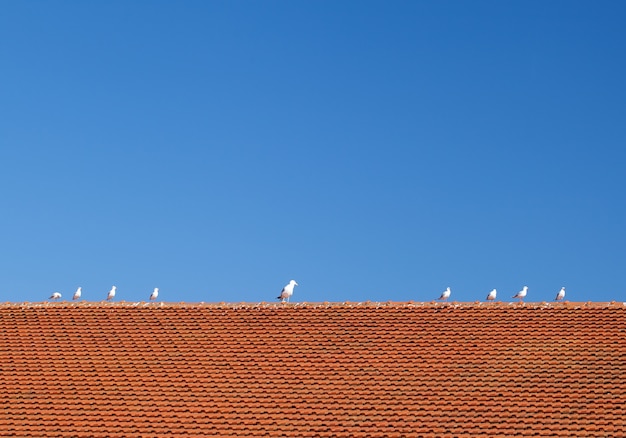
point(369, 150)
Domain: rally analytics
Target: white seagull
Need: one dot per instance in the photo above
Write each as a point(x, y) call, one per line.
point(78, 293)
point(521, 294)
point(492, 295)
point(287, 291)
point(111, 293)
point(445, 294)
point(560, 295)
point(154, 294)
point(55, 296)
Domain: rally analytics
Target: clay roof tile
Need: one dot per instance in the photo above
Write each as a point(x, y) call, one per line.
point(319, 369)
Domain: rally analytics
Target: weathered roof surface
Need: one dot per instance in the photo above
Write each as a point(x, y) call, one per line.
point(328, 370)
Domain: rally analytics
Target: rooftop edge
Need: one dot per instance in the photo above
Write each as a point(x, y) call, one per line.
point(326, 304)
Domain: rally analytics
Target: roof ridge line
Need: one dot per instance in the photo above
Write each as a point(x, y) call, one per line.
point(337, 304)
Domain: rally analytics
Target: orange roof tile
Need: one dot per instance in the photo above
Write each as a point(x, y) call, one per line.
point(302, 370)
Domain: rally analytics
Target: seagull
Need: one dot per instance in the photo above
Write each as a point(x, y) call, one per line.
point(55, 296)
point(521, 294)
point(77, 293)
point(492, 295)
point(445, 294)
point(111, 293)
point(560, 295)
point(287, 291)
point(154, 294)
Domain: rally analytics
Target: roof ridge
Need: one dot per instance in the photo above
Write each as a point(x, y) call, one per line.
point(325, 304)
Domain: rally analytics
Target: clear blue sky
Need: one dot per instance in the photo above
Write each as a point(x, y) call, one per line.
point(368, 150)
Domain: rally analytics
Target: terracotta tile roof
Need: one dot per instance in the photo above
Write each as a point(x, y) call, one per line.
point(327, 370)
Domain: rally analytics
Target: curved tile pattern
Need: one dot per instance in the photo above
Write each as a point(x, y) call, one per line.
point(304, 370)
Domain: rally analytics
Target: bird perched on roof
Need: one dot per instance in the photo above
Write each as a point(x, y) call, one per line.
point(492, 295)
point(111, 294)
point(445, 294)
point(287, 291)
point(521, 294)
point(560, 295)
point(78, 293)
point(154, 294)
point(55, 296)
